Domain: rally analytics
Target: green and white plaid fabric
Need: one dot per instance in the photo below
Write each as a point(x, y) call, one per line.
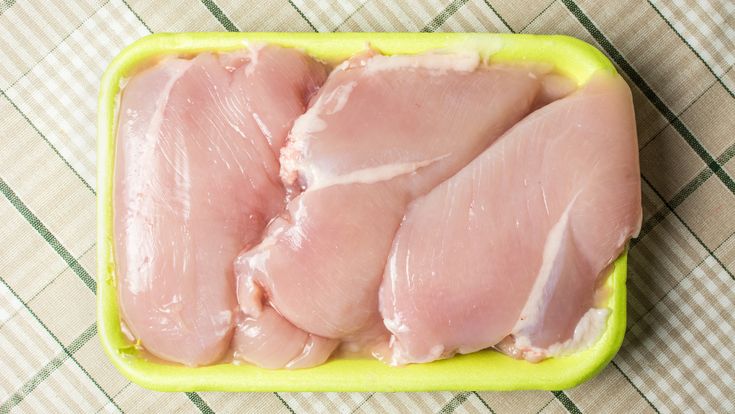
point(677, 56)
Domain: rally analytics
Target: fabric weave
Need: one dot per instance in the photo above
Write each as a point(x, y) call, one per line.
point(677, 56)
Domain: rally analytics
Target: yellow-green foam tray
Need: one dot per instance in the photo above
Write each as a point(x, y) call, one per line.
point(485, 370)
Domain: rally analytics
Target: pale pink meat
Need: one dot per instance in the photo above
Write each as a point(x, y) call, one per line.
point(270, 341)
point(517, 241)
point(381, 131)
point(196, 181)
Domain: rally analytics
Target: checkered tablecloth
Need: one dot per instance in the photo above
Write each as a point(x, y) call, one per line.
point(677, 56)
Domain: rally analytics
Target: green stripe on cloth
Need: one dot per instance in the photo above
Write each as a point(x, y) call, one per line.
point(660, 299)
point(47, 141)
point(459, 399)
point(689, 105)
point(66, 350)
point(46, 234)
point(354, 410)
point(5, 5)
point(48, 283)
point(285, 404)
point(530, 22)
point(199, 402)
point(696, 237)
point(137, 16)
point(682, 195)
point(443, 16)
point(638, 390)
point(545, 405)
point(220, 15)
point(303, 16)
point(692, 49)
point(490, 6)
point(482, 400)
point(566, 402)
point(455, 402)
point(47, 370)
point(650, 94)
point(357, 10)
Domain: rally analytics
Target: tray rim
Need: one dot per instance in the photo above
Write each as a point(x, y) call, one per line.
point(485, 370)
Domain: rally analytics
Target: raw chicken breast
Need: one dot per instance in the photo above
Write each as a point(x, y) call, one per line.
point(517, 242)
point(196, 181)
point(381, 131)
point(270, 341)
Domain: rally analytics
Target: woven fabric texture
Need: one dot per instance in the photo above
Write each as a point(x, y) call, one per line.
point(677, 56)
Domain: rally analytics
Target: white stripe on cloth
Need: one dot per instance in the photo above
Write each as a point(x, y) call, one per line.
point(9, 304)
point(59, 95)
point(24, 350)
point(713, 43)
point(696, 305)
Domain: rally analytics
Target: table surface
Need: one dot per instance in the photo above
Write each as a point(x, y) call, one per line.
point(677, 56)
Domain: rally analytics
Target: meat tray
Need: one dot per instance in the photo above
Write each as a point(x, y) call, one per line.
point(485, 370)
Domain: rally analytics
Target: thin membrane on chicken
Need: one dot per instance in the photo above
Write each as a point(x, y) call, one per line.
point(513, 247)
point(381, 131)
point(196, 181)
